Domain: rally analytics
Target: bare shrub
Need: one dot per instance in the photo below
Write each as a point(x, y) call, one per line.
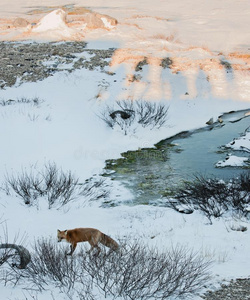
point(56, 186)
point(52, 183)
point(94, 189)
point(25, 185)
point(134, 272)
point(245, 182)
point(145, 113)
point(50, 266)
point(214, 197)
point(140, 272)
point(23, 100)
point(49, 263)
point(151, 114)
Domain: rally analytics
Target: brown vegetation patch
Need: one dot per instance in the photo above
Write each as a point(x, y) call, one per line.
point(126, 55)
point(77, 10)
point(182, 64)
point(244, 61)
point(169, 38)
point(243, 56)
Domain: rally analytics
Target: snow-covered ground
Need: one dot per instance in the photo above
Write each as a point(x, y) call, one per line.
point(65, 128)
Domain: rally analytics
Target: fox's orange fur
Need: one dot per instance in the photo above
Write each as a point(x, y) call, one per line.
point(91, 235)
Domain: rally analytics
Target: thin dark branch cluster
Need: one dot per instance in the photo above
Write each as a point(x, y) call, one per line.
point(141, 272)
point(49, 263)
point(53, 184)
point(34, 101)
point(214, 197)
point(136, 271)
point(94, 189)
point(151, 113)
point(126, 113)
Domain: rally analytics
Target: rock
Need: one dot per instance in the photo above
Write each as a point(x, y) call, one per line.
point(20, 22)
point(107, 20)
point(124, 114)
point(23, 253)
point(210, 121)
point(186, 211)
point(95, 20)
point(92, 21)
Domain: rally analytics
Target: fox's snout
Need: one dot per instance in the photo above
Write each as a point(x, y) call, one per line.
point(60, 238)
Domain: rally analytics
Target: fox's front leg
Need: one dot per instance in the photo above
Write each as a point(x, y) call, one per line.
point(72, 249)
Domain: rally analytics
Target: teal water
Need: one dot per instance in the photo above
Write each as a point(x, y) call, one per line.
point(148, 173)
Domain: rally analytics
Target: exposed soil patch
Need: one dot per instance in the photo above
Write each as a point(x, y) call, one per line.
point(37, 61)
point(239, 289)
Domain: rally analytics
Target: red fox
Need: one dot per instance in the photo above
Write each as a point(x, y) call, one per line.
point(91, 235)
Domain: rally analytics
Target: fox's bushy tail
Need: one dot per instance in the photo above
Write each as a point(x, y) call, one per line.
point(109, 242)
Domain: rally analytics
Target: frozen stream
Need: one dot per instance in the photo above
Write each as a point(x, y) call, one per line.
point(150, 172)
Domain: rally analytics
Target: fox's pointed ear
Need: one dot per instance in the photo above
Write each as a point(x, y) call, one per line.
point(58, 230)
point(66, 231)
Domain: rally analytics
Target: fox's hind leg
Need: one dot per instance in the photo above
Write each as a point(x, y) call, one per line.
point(93, 245)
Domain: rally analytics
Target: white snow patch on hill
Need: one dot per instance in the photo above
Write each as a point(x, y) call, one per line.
point(53, 21)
